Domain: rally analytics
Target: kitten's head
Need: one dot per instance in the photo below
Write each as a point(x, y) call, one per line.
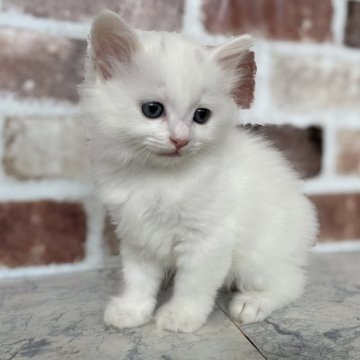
point(159, 98)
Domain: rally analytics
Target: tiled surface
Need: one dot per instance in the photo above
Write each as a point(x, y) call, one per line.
point(61, 318)
point(324, 324)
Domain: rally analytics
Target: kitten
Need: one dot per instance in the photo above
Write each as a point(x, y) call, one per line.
point(186, 188)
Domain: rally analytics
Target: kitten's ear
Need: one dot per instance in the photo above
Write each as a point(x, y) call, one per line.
point(111, 41)
point(230, 54)
point(236, 58)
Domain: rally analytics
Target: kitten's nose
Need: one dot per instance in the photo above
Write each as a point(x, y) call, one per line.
point(179, 143)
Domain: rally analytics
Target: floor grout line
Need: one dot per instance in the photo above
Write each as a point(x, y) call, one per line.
point(242, 332)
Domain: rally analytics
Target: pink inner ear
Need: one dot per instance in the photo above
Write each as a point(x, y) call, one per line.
point(105, 70)
point(244, 93)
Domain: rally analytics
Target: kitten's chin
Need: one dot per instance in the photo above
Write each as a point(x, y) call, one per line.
point(168, 158)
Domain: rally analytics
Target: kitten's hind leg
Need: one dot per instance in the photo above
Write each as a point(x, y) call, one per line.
point(255, 304)
point(136, 303)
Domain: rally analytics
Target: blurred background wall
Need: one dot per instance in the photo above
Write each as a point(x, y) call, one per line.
point(307, 96)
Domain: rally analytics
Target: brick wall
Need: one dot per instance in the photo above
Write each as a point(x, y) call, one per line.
point(307, 97)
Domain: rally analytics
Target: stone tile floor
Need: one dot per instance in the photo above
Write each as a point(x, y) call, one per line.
point(61, 318)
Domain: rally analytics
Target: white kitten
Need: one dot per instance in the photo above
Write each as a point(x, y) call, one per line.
point(186, 188)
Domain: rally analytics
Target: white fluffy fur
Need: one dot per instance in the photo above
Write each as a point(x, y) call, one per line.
point(229, 210)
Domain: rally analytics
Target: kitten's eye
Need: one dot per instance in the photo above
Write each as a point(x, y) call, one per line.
point(152, 109)
point(202, 115)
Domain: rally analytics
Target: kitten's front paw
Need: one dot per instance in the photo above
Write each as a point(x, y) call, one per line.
point(177, 319)
point(126, 313)
point(252, 307)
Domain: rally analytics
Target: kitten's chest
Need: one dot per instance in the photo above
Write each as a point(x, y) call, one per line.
point(153, 218)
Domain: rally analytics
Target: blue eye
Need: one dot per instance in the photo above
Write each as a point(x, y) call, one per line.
point(152, 109)
point(202, 115)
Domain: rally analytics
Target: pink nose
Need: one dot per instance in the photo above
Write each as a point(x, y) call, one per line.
point(178, 143)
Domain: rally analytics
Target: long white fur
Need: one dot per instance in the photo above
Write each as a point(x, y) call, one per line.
point(229, 210)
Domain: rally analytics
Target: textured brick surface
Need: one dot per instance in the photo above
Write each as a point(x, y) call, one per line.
point(348, 158)
point(339, 216)
point(111, 241)
point(41, 233)
point(41, 147)
point(278, 19)
point(352, 30)
point(144, 14)
point(302, 147)
point(37, 65)
point(308, 83)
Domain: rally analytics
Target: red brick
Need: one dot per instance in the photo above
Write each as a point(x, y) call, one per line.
point(111, 241)
point(277, 19)
point(309, 83)
point(44, 147)
point(302, 147)
point(44, 232)
point(339, 216)
point(145, 15)
point(41, 66)
point(352, 29)
point(348, 154)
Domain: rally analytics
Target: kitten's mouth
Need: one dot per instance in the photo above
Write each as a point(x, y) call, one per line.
point(171, 154)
